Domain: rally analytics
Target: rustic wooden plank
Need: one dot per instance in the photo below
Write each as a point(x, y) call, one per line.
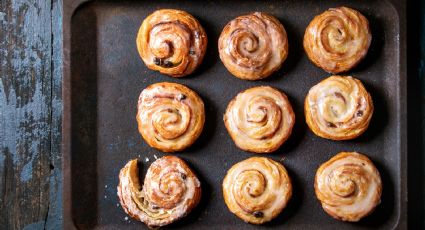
point(25, 112)
point(54, 218)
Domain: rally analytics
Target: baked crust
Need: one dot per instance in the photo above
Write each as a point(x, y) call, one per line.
point(338, 108)
point(348, 186)
point(257, 189)
point(338, 39)
point(253, 46)
point(172, 42)
point(259, 119)
point(170, 191)
point(170, 116)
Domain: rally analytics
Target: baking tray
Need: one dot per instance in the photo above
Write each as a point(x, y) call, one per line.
point(103, 77)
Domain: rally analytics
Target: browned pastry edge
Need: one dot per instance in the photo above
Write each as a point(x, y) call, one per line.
point(352, 218)
point(257, 217)
point(258, 149)
point(266, 71)
point(152, 223)
point(338, 68)
point(317, 130)
point(189, 93)
point(195, 53)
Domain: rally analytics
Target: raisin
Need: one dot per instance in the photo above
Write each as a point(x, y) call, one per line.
point(258, 214)
point(181, 97)
point(330, 125)
point(168, 64)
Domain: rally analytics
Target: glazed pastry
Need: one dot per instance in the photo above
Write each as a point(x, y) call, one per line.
point(170, 191)
point(259, 119)
point(170, 116)
point(337, 39)
point(348, 186)
point(172, 42)
point(253, 46)
point(338, 108)
point(257, 189)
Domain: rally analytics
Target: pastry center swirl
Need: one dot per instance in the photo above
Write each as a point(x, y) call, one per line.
point(261, 117)
point(171, 118)
point(170, 191)
point(250, 191)
point(344, 181)
point(249, 46)
point(170, 43)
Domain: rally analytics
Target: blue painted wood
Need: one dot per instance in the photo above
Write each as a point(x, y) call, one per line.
point(54, 218)
point(25, 112)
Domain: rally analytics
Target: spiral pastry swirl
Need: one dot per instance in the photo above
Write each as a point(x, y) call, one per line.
point(170, 191)
point(337, 39)
point(253, 46)
point(259, 119)
point(170, 116)
point(338, 108)
point(257, 189)
point(172, 42)
point(348, 186)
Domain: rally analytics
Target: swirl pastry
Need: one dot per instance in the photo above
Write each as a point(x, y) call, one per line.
point(253, 46)
point(172, 42)
point(170, 116)
point(170, 191)
point(348, 186)
point(338, 108)
point(259, 119)
point(257, 189)
point(337, 39)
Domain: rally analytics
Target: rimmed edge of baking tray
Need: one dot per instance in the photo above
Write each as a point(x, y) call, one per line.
point(70, 6)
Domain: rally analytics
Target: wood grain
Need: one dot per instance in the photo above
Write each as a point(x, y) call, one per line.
point(30, 111)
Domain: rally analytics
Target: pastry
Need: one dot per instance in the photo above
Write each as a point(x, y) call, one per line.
point(338, 108)
point(337, 39)
point(253, 46)
point(172, 42)
point(170, 191)
point(259, 119)
point(348, 186)
point(170, 116)
point(257, 189)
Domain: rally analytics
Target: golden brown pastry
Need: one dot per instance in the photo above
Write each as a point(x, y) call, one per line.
point(338, 108)
point(253, 46)
point(172, 42)
point(337, 39)
point(259, 119)
point(170, 191)
point(348, 186)
point(170, 116)
point(257, 189)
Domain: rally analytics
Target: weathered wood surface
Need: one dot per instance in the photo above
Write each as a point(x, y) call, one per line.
point(30, 114)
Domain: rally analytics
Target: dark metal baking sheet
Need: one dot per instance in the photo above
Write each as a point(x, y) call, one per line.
point(103, 76)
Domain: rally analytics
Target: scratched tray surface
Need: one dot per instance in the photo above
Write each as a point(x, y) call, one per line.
point(107, 76)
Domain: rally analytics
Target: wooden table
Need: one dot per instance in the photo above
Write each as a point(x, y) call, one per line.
point(31, 112)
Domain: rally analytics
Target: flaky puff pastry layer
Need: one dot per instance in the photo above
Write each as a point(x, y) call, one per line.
point(338, 108)
point(171, 42)
point(259, 119)
point(170, 191)
point(337, 39)
point(257, 189)
point(170, 116)
point(348, 186)
point(253, 46)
